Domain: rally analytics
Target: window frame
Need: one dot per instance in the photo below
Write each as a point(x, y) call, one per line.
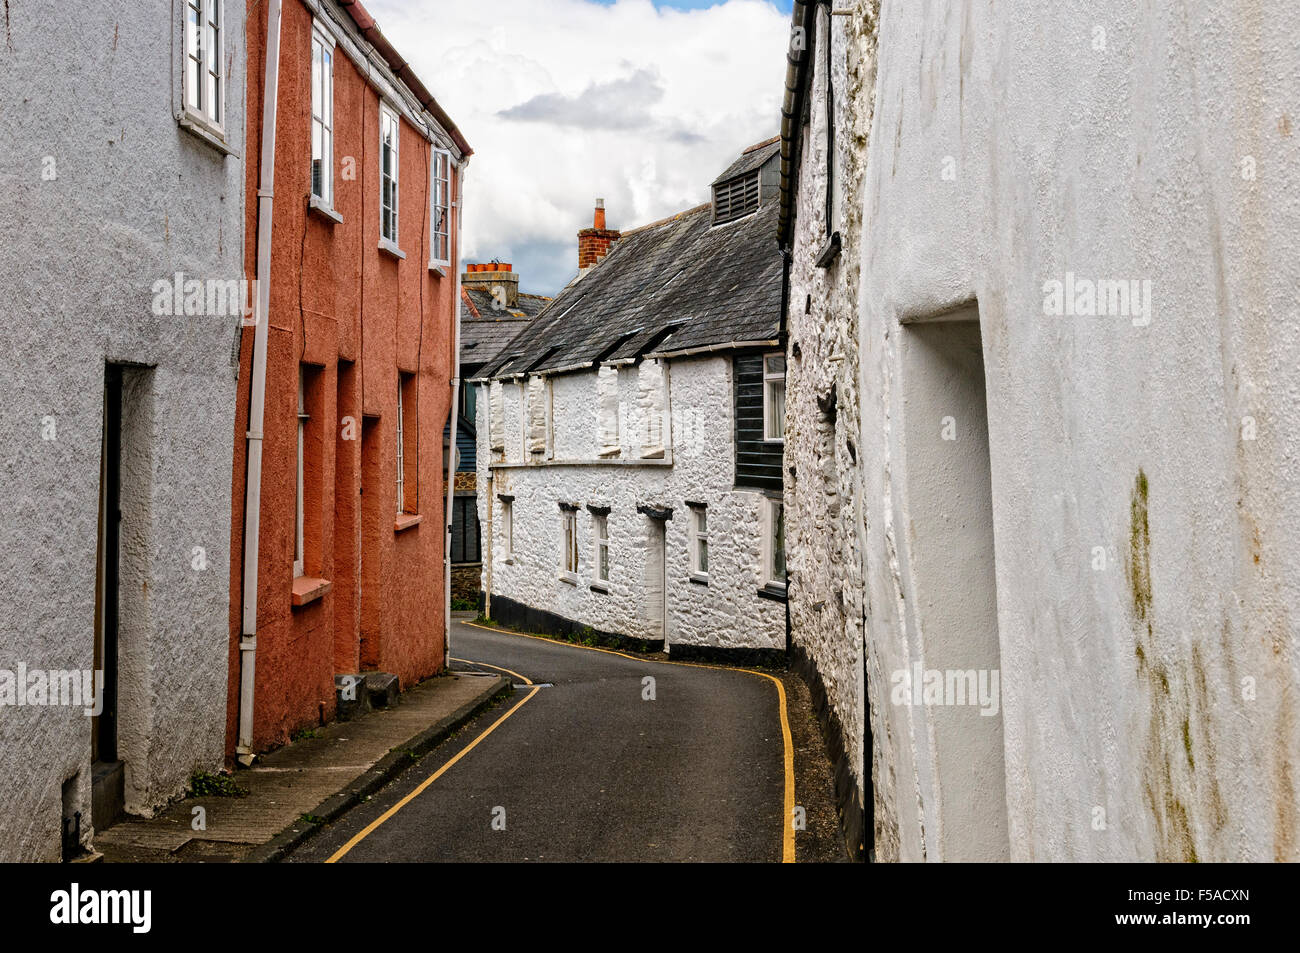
point(569, 544)
point(699, 537)
point(323, 41)
point(550, 418)
point(387, 112)
point(770, 418)
point(401, 450)
point(773, 515)
point(211, 15)
point(299, 545)
point(508, 528)
point(600, 541)
point(465, 511)
point(440, 179)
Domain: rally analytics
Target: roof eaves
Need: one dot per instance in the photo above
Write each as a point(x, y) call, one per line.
point(402, 69)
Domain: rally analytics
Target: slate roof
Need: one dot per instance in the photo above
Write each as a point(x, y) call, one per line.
point(485, 330)
point(753, 158)
point(669, 286)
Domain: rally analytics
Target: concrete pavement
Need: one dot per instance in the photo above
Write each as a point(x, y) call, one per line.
point(295, 788)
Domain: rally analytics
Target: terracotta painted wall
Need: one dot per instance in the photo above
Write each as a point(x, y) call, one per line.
point(357, 317)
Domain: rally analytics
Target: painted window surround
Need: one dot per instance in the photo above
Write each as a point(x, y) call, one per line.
point(322, 116)
point(197, 119)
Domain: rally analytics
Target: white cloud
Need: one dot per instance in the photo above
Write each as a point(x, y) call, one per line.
point(567, 100)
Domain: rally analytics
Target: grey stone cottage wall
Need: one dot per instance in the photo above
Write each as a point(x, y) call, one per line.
point(102, 194)
point(823, 478)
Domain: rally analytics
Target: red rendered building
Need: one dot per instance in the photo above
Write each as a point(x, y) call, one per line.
point(358, 373)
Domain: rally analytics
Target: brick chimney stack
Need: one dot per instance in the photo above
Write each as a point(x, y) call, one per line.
point(594, 243)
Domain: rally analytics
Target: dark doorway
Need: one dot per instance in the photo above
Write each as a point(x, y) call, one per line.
point(372, 524)
point(106, 770)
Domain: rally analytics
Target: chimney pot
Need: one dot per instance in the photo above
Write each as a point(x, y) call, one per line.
point(594, 242)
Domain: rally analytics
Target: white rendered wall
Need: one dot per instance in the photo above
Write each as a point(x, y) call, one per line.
point(727, 613)
point(1143, 472)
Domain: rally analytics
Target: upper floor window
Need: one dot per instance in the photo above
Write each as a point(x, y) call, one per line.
point(389, 126)
point(774, 397)
point(204, 86)
point(469, 402)
point(440, 210)
point(322, 117)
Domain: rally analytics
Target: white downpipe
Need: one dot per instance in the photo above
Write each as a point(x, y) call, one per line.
point(454, 415)
point(487, 585)
point(257, 399)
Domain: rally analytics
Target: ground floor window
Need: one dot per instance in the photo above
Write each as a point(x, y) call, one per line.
point(773, 543)
point(465, 541)
point(600, 525)
point(699, 541)
point(569, 537)
point(508, 526)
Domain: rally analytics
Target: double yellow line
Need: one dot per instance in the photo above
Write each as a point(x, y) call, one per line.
point(787, 837)
point(374, 825)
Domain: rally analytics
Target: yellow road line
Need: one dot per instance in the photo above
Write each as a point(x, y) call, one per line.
point(374, 825)
point(787, 836)
point(523, 678)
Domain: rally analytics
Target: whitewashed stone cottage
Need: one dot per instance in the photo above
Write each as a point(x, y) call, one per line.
point(493, 311)
point(630, 444)
point(1041, 483)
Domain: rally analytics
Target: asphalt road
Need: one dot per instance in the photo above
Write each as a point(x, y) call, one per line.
point(586, 769)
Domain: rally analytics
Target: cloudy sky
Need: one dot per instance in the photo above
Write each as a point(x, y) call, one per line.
point(641, 103)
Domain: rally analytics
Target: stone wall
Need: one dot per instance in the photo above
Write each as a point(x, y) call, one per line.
point(727, 615)
point(823, 479)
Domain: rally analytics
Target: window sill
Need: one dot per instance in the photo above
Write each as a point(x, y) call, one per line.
point(307, 589)
point(777, 440)
point(438, 269)
point(405, 521)
point(317, 204)
point(569, 578)
point(201, 128)
point(773, 591)
point(390, 248)
point(600, 587)
point(699, 578)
